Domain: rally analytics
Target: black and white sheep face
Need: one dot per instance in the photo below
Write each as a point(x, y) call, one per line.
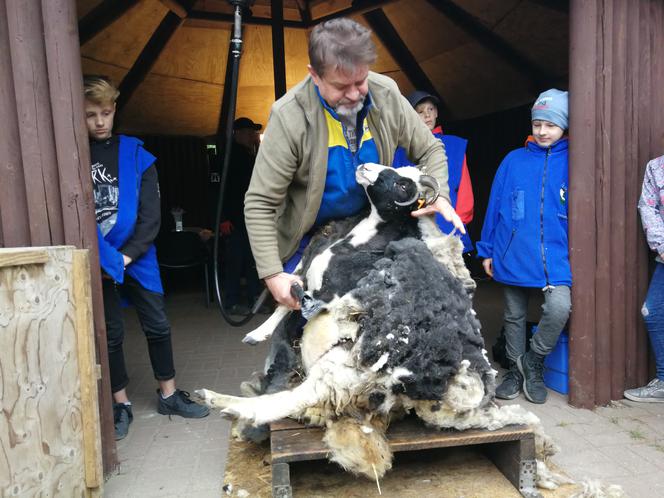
point(393, 192)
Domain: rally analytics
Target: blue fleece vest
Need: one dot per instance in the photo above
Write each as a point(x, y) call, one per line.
point(455, 150)
point(525, 227)
point(133, 160)
point(343, 196)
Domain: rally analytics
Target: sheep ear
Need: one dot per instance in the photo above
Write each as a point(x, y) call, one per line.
point(434, 188)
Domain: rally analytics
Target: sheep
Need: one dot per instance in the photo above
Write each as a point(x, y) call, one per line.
point(395, 326)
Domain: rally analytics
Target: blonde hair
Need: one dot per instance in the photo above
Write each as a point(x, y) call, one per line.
point(99, 89)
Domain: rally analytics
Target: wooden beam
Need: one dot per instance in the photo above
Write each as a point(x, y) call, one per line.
point(491, 41)
point(557, 5)
point(175, 7)
point(278, 48)
point(305, 11)
point(149, 55)
point(102, 16)
point(199, 15)
point(357, 7)
point(389, 36)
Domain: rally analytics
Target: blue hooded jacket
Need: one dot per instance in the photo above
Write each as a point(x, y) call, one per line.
point(525, 228)
point(133, 160)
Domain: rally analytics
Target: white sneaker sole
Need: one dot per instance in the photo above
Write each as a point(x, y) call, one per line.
point(631, 397)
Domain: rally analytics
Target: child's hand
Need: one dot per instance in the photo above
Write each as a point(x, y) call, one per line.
point(488, 266)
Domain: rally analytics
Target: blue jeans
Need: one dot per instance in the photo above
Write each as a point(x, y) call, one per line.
point(653, 316)
point(555, 312)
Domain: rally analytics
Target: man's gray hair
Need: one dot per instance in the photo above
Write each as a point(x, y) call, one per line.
point(340, 44)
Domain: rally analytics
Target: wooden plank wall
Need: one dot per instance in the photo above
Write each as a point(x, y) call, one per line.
point(45, 188)
point(617, 125)
point(49, 420)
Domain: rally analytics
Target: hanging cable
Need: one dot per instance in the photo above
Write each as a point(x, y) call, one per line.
point(235, 53)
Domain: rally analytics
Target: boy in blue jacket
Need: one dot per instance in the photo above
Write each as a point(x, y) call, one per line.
point(524, 243)
point(128, 213)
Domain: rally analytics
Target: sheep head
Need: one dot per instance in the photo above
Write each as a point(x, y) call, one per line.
point(394, 192)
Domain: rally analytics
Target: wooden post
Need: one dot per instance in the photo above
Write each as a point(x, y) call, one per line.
point(45, 186)
point(616, 98)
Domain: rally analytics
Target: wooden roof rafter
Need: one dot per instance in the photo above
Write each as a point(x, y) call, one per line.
point(491, 41)
point(150, 53)
point(357, 7)
point(217, 17)
point(388, 35)
point(102, 16)
point(557, 5)
point(305, 11)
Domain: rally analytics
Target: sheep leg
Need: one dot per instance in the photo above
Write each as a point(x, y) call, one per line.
point(266, 408)
point(265, 330)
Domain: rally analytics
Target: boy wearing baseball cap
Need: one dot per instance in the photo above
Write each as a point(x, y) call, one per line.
point(524, 243)
point(458, 179)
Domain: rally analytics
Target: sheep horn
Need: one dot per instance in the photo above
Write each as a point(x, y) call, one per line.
point(409, 201)
point(432, 183)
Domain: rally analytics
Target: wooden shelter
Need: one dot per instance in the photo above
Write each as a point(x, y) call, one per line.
point(486, 59)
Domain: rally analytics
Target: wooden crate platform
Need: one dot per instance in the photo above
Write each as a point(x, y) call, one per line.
point(511, 449)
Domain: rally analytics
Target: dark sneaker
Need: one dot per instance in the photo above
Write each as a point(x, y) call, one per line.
point(531, 366)
point(181, 404)
point(653, 392)
point(510, 387)
point(122, 417)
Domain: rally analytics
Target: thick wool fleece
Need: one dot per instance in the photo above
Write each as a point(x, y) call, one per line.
point(420, 316)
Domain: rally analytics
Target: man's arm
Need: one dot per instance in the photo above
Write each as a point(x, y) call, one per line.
point(273, 173)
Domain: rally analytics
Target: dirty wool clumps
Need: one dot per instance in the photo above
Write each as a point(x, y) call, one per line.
point(418, 315)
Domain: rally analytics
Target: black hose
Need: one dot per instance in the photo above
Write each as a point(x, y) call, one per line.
point(236, 51)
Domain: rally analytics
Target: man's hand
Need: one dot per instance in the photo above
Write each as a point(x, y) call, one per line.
point(126, 260)
point(488, 266)
point(443, 207)
point(279, 286)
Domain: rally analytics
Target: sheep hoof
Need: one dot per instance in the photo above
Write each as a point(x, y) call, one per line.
point(249, 339)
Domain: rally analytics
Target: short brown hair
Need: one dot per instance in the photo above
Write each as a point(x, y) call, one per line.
point(99, 89)
point(340, 44)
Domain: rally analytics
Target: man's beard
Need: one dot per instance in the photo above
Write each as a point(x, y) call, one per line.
point(349, 114)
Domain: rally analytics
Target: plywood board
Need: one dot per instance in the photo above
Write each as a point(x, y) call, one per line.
point(41, 423)
point(195, 54)
point(122, 41)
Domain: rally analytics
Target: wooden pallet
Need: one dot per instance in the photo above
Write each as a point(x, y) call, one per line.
point(511, 449)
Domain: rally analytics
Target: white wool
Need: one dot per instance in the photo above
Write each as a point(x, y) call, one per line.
point(380, 363)
point(595, 489)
